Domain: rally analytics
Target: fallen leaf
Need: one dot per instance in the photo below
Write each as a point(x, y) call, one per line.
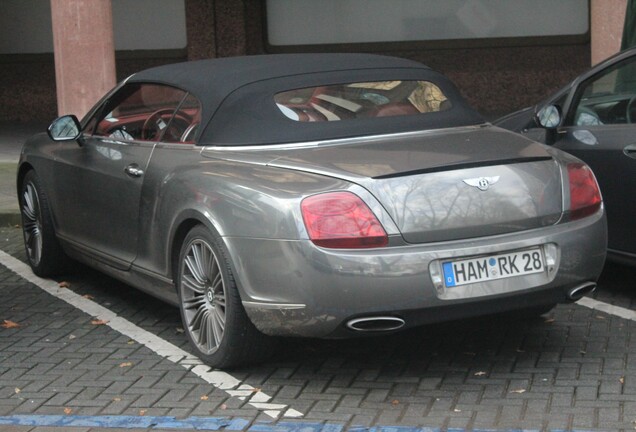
point(99, 322)
point(204, 397)
point(88, 296)
point(17, 390)
point(519, 391)
point(9, 324)
point(72, 336)
point(126, 364)
point(142, 412)
point(117, 399)
point(622, 380)
point(395, 402)
point(256, 390)
point(480, 373)
point(223, 407)
point(131, 342)
point(67, 411)
point(64, 284)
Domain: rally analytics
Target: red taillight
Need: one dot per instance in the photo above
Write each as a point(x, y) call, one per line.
point(585, 196)
point(342, 220)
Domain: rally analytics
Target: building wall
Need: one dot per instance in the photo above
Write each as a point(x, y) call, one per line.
point(495, 80)
point(501, 80)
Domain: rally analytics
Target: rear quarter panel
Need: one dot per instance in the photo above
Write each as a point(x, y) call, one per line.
point(236, 199)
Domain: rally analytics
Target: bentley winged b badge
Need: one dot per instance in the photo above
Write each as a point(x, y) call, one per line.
point(481, 183)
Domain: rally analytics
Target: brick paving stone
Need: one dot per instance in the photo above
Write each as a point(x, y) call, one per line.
point(461, 423)
point(558, 422)
point(333, 417)
point(484, 418)
point(367, 421)
point(585, 419)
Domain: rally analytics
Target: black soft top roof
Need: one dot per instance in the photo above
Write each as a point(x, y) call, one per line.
point(209, 79)
point(237, 95)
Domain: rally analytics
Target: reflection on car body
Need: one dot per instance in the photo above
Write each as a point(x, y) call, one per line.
point(322, 195)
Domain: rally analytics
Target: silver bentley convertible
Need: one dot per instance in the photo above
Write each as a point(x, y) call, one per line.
point(314, 195)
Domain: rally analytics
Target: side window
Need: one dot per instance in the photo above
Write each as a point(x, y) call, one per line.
point(606, 98)
point(145, 112)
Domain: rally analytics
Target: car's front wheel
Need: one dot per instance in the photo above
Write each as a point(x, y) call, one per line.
point(44, 253)
point(213, 317)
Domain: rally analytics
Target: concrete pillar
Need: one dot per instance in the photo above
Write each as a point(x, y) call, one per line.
point(607, 19)
point(84, 53)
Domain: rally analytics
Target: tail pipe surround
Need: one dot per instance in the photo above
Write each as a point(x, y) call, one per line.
point(581, 290)
point(376, 324)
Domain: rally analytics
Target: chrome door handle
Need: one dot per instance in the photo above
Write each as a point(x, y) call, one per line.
point(630, 151)
point(133, 170)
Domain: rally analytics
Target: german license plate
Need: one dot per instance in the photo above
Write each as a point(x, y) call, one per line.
point(500, 266)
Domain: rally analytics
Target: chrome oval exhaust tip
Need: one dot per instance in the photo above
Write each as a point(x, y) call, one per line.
point(578, 292)
point(376, 324)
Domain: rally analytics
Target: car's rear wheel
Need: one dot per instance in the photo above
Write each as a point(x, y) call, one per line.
point(44, 253)
point(213, 317)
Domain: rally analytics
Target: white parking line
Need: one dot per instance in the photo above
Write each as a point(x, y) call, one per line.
point(216, 378)
point(608, 308)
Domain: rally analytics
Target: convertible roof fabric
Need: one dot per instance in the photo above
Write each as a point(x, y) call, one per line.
point(218, 77)
point(237, 95)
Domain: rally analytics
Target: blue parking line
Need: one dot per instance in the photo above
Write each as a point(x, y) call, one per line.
point(297, 426)
point(213, 424)
point(127, 422)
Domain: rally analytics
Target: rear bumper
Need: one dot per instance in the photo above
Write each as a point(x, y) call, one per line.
point(293, 288)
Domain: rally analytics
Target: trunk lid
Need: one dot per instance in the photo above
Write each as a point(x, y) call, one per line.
point(445, 185)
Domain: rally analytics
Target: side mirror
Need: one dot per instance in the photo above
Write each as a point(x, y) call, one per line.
point(65, 128)
point(548, 117)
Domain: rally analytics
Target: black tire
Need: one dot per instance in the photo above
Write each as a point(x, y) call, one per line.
point(44, 253)
point(213, 316)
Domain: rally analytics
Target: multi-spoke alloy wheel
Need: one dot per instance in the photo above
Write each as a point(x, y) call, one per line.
point(31, 223)
point(44, 253)
point(203, 296)
point(213, 316)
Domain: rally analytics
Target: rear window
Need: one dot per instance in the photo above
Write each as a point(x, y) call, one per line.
point(361, 100)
